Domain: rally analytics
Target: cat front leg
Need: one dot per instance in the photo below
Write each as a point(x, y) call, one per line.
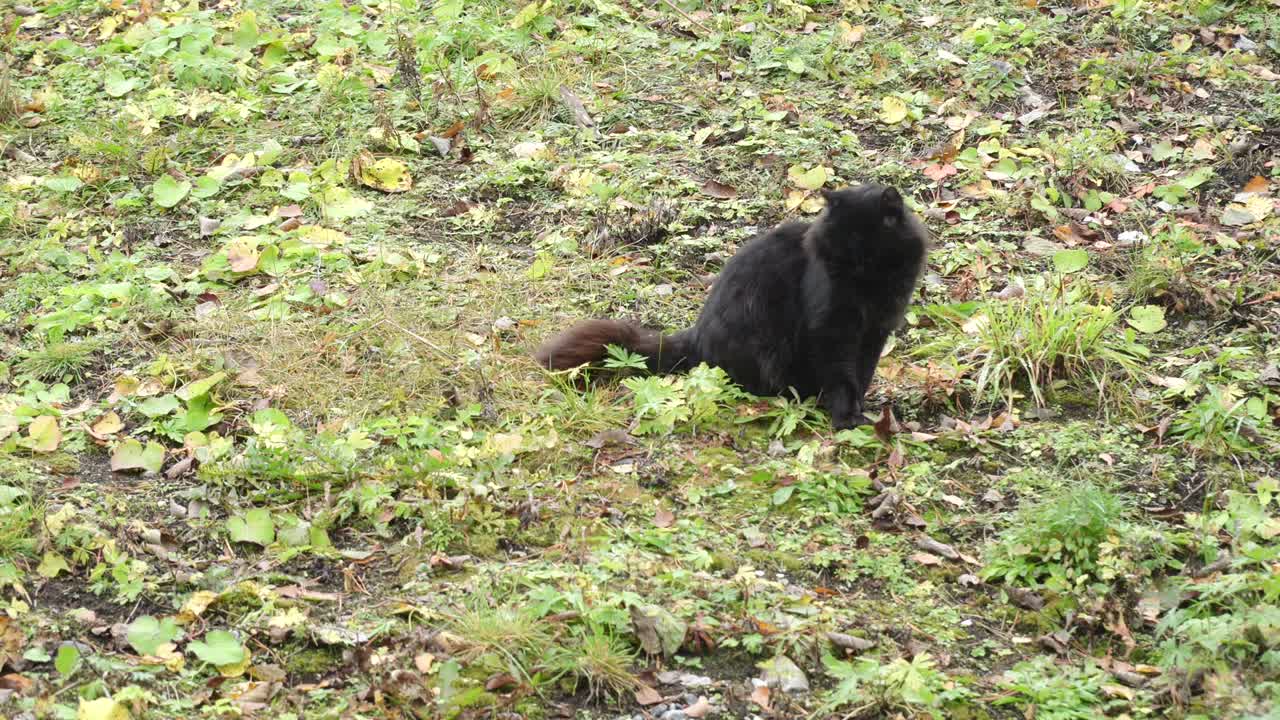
point(867, 358)
point(842, 396)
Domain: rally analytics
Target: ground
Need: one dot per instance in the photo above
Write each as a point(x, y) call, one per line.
point(272, 443)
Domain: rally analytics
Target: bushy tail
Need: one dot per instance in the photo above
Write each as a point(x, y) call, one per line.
point(586, 341)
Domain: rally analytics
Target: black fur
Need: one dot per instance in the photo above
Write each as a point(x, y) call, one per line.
point(805, 306)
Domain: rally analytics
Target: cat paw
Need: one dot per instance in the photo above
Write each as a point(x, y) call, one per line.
point(848, 422)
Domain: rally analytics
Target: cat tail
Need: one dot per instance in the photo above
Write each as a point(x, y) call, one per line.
point(585, 343)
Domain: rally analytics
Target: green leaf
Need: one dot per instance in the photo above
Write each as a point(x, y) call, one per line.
point(37, 654)
point(811, 179)
point(159, 406)
point(199, 414)
point(270, 152)
point(200, 387)
point(783, 494)
point(340, 204)
point(1070, 261)
point(218, 648)
point(255, 526)
point(168, 192)
point(63, 183)
point(68, 658)
point(117, 85)
point(206, 187)
point(147, 634)
point(1147, 319)
point(52, 565)
point(131, 455)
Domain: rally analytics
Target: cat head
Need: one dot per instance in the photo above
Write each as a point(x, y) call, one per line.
point(864, 217)
point(866, 206)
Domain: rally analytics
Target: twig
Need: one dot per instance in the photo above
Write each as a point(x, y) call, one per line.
point(685, 15)
point(415, 336)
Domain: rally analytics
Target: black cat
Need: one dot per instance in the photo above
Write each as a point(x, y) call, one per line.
point(805, 307)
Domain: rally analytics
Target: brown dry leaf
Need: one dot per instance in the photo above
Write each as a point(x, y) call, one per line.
point(886, 426)
point(760, 696)
point(664, 518)
point(925, 558)
point(850, 34)
point(717, 189)
point(938, 173)
point(699, 708)
point(453, 130)
point(646, 695)
point(1257, 184)
point(242, 256)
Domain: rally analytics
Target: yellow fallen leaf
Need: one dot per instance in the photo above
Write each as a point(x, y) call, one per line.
point(892, 110)
point(793, 198)
point(102, 709)
point(242, 256)
point(388, 175)
point(850, 34)
point(44, 434)
point(195, 605)
point(108, 424)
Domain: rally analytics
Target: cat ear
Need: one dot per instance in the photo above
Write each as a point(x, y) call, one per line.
point(891, 205)
point(831, 197)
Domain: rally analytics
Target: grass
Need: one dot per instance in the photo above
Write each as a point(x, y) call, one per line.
point(342, 488)
point(60, 360)
point(1041, 342)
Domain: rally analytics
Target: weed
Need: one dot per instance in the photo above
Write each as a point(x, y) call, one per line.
point(911, 686)
point(600, 660)
point(1223, 422)
point(1058, 540)
point(1053, 692)
point(1039, 341)
point(60, 360)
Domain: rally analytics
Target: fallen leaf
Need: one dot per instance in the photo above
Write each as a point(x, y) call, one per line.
point(938, 173)
point(131, 455)
point(698, 709)
point(43, 434)
point(850, 34)
point(388, 175)
point(717, 189)
point(760, 696)
point(664, 518)
point(925, 558)
point(1254, 209)
point(892, 110)
point(242, 256)
point(108, 424)
point(103, 708)
point(812, 179)
point(1257, 184)
point(646, 695)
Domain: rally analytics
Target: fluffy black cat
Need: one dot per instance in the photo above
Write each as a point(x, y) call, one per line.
point(805, 307)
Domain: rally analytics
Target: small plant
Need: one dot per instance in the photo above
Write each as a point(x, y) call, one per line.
point(59, 360)
point(1058, 542)
point(516, 641)
point(664, 402)
point(600, 660)
point(1049, 691)
point(911, 686)
point(1223, 422)
point(1037, 342)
